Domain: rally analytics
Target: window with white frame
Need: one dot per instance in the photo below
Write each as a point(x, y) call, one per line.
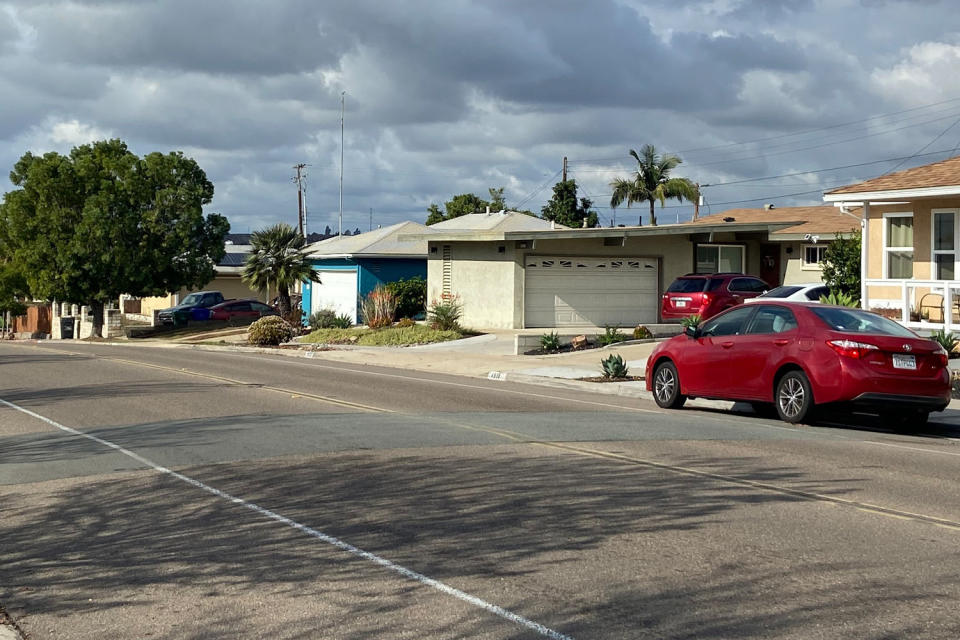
point(720, 258)
point(898, 245)
point(944, 245)
point(813, 255)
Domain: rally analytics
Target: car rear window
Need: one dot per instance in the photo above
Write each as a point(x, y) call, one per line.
point(687, 285)
point(781, 292)
point(857, 321)
point(751, 285)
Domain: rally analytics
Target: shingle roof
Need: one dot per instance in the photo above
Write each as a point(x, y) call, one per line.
point(377, 242)
point(945, 173)
point(237, 238)
point(817, 219)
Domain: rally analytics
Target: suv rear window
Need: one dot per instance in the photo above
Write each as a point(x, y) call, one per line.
point(687, 285)
point(752, 285)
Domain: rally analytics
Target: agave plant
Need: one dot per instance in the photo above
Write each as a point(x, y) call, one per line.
point(614, 367)
point(840, 299)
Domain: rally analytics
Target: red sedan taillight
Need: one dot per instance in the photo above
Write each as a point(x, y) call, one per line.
point(851, 348)
point(943, 358)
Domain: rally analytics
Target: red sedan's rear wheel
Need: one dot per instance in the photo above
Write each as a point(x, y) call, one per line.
point(794, 397)
point(666, 386)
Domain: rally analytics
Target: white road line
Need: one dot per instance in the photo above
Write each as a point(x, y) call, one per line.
point(319, 535)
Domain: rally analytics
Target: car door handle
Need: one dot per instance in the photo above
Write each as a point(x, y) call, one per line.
point(726, 345)
point(781, 342)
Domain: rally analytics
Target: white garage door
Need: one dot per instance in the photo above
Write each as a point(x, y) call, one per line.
point(336, 290)
point(569, 292)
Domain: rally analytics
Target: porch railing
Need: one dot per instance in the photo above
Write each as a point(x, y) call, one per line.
point(949, 289)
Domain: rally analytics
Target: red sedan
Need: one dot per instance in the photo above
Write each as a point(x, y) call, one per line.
point(798, 356)
point(241, 311)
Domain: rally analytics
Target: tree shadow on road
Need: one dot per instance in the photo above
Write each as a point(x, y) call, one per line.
point(522, 529)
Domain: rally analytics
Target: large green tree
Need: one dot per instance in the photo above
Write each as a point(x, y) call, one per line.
point(101, 221)
point(279, 260)
point(652, 182)
point(564, 208)
point(466, 203)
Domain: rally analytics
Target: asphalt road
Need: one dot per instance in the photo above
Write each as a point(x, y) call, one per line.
point(167, 493)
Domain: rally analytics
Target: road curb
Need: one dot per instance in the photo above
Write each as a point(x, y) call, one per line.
point(607, 388)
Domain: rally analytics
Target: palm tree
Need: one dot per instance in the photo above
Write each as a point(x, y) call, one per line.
point(278, 259)
point(652, 182)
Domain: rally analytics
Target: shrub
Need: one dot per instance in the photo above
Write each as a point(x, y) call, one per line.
point(323, 319)
point(840, 298)
point(690, 321)
point(378, 308)
point(405, 322)
point(641, 333)
point(611, 335)
point(614, 367)
point(444, 314)
point(550, 341)
point(271, 330)
point(841, 265)
point(411, 296)
point(342, 321)
point(946, 339)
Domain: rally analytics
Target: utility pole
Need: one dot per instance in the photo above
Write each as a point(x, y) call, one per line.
point(371, 219)
point(342, 94)
point(301, 199)
point(564, 178)
point(696, 203)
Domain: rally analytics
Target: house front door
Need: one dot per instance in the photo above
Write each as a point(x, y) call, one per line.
point(770, 264)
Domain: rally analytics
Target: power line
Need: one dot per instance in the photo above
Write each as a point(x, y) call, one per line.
point(538, 189)
point(942, 133)
point(797, 133)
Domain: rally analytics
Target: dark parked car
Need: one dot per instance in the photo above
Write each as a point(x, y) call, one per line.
point(798, 356)
point(708, 295)
point(246, 311)
point(193, 307)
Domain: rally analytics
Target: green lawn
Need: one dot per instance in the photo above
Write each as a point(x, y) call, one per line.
point(387, 337)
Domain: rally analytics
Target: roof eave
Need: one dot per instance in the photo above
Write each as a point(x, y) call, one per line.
point(893, 194)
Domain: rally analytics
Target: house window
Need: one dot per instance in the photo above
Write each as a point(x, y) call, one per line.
point(944, 252)
point(813, 255)
point(898, 245)
point(720, 258)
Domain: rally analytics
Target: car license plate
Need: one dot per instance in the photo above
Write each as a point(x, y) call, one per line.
point(681, 303)
point(904, 362)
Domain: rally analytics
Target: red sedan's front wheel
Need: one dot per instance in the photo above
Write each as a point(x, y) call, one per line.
point(794, 397)
point(666, 386)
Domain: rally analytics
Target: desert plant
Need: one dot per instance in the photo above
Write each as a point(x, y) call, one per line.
point(641, 333)
point(378, 308)
point(444, 314)
point(411, 296)
point(271, 330)
point(840, 299)
point(405, 322)
point(323, 319)
point(550, 341)
point(614, 366)
point(946, 339)
point(342, 321)
point(611, 335)
point(690, 321)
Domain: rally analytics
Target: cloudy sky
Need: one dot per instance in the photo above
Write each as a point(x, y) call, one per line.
point(454, 96)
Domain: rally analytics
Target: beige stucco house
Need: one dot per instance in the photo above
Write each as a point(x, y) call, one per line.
point(910, 252)
point(539, 276)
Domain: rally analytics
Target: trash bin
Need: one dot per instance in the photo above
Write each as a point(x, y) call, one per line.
point(66, 327)
point(200, 314)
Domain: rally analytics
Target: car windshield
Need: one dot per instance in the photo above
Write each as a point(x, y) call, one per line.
point(687, 285)
point(781, 292)
point(193, 298)
point(857, 321)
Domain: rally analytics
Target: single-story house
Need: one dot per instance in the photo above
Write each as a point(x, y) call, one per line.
point(792, 254)
point(226, 280)
point(910, 250)
point(350, 267)
point(558, 277)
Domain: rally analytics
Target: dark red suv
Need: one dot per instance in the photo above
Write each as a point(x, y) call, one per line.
point(707, 295)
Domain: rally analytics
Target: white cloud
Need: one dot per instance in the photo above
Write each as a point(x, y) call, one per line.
point(929, 72)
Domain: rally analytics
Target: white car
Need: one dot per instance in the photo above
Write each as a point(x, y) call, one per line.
point(810, 292)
